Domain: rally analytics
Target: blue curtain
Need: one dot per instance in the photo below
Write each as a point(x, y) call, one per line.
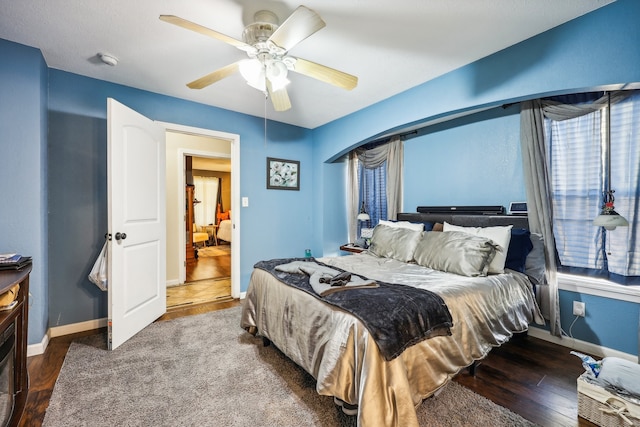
point(373, 191)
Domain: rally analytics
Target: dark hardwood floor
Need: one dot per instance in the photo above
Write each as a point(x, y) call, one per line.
point(533, 378)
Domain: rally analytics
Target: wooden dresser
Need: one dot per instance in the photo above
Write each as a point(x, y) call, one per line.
point(17, 318)
point(189, 249)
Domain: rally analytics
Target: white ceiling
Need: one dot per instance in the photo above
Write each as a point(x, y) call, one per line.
point(390, 45)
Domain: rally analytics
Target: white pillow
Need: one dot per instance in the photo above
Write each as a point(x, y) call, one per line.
point(415, 226)
point(501, 236)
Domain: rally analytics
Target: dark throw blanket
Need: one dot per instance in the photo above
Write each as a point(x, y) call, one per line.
point(397, 316)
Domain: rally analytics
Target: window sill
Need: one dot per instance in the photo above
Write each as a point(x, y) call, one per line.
point(598, 287)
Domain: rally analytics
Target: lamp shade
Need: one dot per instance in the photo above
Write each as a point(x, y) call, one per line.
point(253, 72)
point(610, 221)
point(363, 215)
point(277, 74)
point(609, 218)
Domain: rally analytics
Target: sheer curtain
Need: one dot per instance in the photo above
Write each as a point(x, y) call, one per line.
point(353, 204)
point(206, 192)
point(393, 154)
point(538, 183)
point(536, 179)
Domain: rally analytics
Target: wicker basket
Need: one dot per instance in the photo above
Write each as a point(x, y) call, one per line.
point(603, 408)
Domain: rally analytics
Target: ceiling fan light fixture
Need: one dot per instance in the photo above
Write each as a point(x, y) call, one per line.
point(277, 74)
point(267, 44)
point(254, 73)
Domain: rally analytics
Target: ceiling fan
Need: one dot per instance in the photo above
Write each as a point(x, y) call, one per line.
point(267, 44)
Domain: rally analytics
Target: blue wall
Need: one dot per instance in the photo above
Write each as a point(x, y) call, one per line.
point(580, 55)
point(608, 322)
point(23, 150)
point(485, 145)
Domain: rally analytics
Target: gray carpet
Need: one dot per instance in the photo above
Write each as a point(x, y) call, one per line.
point(205, 370)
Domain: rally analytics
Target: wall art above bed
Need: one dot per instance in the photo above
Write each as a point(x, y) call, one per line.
point(283, 174)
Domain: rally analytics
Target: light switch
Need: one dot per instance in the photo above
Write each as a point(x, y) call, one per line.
point(245, 202)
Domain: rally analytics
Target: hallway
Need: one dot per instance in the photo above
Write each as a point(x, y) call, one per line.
point(208, 279)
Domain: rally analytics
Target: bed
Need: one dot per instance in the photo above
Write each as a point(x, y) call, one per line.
point(224, 230)
point(335, 347)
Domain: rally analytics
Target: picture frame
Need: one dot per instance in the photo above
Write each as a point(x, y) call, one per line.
point(283, 174)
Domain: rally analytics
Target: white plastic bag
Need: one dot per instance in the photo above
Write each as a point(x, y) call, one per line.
point(98, 274)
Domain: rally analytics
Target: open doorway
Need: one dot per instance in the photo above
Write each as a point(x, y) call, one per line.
point(208, 240)
point(200, 270)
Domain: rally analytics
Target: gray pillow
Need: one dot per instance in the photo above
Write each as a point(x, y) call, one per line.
point(535, 264)
point(394, 242)
point(455, 252)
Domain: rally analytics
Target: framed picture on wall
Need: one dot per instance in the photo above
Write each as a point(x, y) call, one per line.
point(283, 174)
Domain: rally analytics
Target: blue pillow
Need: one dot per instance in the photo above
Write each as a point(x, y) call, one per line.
point(519, 247)
point(428, 226)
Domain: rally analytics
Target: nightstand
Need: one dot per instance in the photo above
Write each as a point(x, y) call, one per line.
point(350, 247)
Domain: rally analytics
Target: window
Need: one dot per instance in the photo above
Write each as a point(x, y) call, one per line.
point(207, 194)
point(375, 179)
point(577, 154)
point(373, 192)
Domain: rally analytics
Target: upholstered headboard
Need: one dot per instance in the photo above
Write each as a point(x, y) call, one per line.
point(467, 220)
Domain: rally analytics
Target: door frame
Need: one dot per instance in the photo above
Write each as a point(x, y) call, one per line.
point(234, 140)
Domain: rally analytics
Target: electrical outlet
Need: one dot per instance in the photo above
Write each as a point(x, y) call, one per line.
point(579, 309)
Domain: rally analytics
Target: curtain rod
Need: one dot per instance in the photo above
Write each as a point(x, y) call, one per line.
point(388, 138)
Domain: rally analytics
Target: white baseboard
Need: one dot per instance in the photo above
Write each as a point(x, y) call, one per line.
point(174, 282)
point(58, 331)
point(582, 346)
point(36, 349)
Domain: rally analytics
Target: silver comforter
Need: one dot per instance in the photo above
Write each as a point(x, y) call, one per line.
point(338, 351)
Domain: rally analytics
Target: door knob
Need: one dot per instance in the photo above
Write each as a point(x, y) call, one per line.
point(121, 236)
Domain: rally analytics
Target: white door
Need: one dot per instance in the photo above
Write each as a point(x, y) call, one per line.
point(136, 199)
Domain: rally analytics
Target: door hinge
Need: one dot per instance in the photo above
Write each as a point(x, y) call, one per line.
point(109, 335)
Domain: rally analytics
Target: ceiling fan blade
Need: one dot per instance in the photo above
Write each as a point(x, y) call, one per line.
point(302, 23)
point(325, 74)
point(279, 98)
point(207, 32)
point(216, 76)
